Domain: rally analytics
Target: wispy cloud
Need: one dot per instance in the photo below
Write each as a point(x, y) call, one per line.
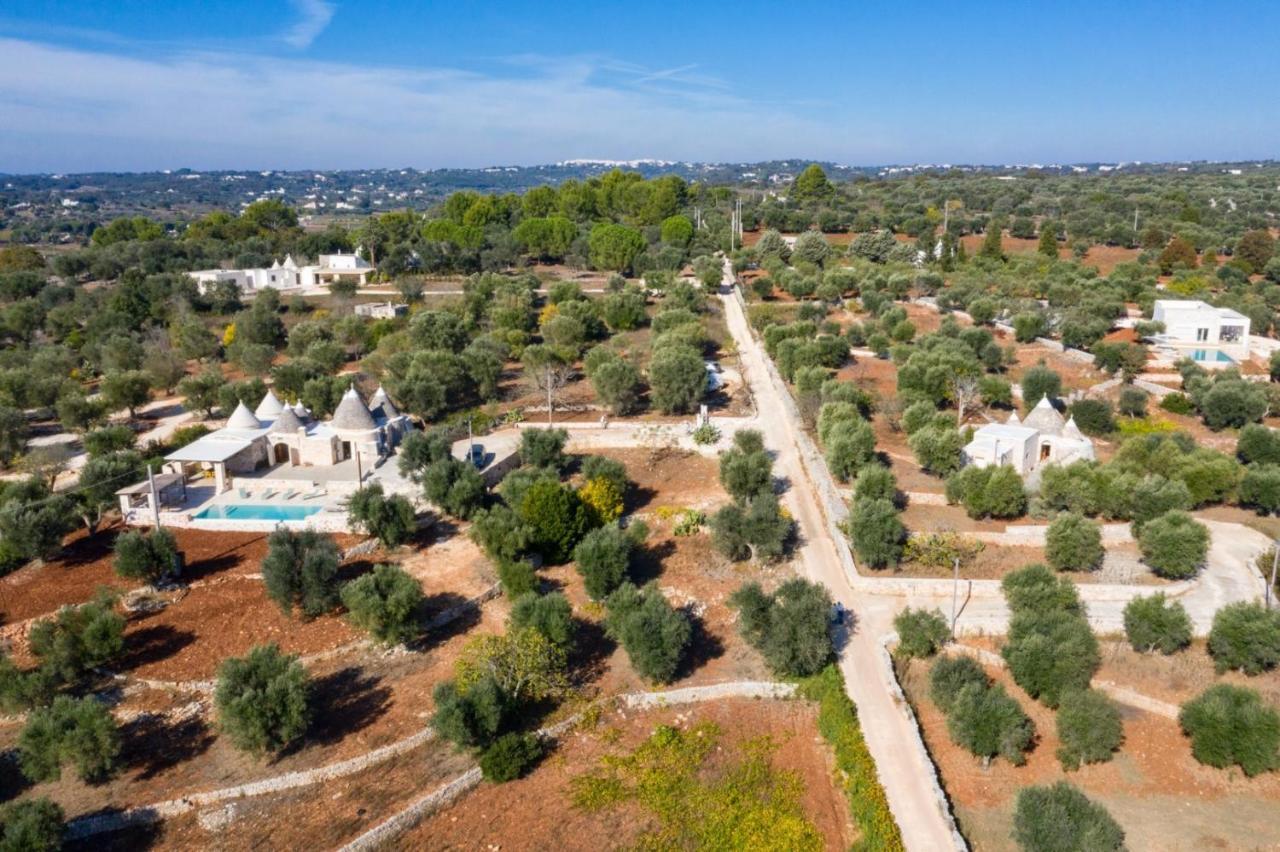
point(84, 109)
point(316, 15)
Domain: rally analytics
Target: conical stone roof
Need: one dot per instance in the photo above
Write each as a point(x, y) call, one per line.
point(352, 415)
point(1044, 418)
point(242, 418)
point(287, 423)
point(270, 407)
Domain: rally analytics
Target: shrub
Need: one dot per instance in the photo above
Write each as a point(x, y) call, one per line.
point(556, 518)
point(655, 635)
point(1093, 416)
point(1245, 636)
point(941, 549)
point(1035, 588)
point(917, 416)
point(849, 446)
point(1089, 728)
point(602, 558)
point(80, 732)
point(994, 491)
point(550, 614)
point(510, 756)
point(745, 468)
point(77, 639)
point(142, 556)
point(1258, 444)
point(705, 435)
point(1177, 403)
point(950, 675)
point(543, 448)
point(1039, 382)
point(876, 532)
point(921, 632)
point(1154, 496)
point(1153, 623)
point(301, 570)
point(1231, 725)
point(937, 449)
point(517, 576)
point(989, 723)
point(391, 520)
point(617, 384)
point(470, 718)
point(454, 486)
point(759, 528)
point(1133, 402)
point(263, 700)
point(603, 467)
point(31, 825)
point(1174, 545)
point(1260, 488)
point(1073, 543)
point(384, 603)
point(1051, 653)
point(677, 379)
point(1060, 818)
point(603, 500)
point(789, 627)
point(875, 482)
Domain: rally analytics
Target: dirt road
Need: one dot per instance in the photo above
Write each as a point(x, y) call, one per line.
point(909, 780)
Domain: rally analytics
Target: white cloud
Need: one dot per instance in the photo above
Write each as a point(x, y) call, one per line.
point(75, 109)
point(316, 15)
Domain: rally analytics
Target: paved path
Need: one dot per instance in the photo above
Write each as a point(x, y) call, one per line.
point(909, 780)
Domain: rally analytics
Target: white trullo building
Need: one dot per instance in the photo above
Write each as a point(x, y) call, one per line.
point(1043, 438)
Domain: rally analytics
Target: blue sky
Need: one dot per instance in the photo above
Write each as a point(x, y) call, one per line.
point(132, 85)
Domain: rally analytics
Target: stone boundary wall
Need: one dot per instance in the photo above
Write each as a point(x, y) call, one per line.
point(917, 742)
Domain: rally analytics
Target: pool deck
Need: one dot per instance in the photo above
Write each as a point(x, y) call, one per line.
point(325, 488)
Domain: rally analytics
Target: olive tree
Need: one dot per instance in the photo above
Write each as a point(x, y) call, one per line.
point(788, 627)
point(1073, 543)
point(263, 700)
point(301, 570)
point(1089, 728)
point(1058, 818)
point(1154, 623)
point(384, 603)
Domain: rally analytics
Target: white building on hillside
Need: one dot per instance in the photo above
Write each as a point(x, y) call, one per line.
point(287, 275)
point(1213, 337)
point(275, 434)
point(1043, 438)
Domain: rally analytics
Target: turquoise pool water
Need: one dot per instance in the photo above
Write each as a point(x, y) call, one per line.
point(1203, 355)
point(251, 512)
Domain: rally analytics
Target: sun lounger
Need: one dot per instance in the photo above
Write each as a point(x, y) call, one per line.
point(290, 494)
point(268, 494)
point(313, 494)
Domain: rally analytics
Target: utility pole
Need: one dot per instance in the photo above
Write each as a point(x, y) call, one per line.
point(1135, 220)
point(955, 592)
point(548, 397)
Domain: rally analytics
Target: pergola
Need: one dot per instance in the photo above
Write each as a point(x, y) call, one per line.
point(212, 450)
point(150, 494)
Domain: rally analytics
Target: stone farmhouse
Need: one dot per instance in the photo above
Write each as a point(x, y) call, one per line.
point(1026, 445)
point(289, 276)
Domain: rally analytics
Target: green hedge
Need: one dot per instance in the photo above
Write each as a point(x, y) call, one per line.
point(838, 723)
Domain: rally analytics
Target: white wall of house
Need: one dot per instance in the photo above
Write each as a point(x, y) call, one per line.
point(1194, 324)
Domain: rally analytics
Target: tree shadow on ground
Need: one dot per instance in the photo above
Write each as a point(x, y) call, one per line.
point(152, 744)
point(87, 549)
point(344, 702)
point(12, 782)
point(637, 497)
point(462, 614)
point(646, 561)
point(704, 646)
point(591, 652)
point(152, 644)
point(126, 840)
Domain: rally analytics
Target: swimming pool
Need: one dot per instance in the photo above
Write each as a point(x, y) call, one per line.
point(1211, 355)
point(255, 512)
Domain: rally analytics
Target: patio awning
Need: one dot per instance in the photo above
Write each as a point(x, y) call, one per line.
point(210, 448)
point(163, 481)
